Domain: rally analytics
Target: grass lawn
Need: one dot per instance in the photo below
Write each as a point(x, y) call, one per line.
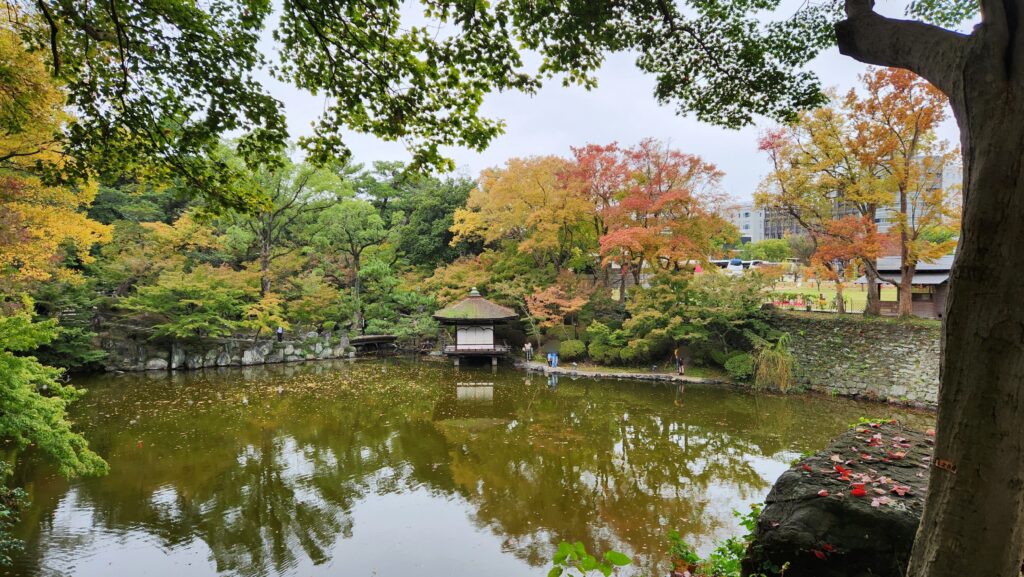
point(856, 296)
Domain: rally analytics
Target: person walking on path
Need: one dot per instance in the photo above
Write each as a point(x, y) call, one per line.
point(680, 365)
point(554, 360)
point(280, 333)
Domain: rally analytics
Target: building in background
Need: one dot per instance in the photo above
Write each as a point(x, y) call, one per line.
point(749, 220)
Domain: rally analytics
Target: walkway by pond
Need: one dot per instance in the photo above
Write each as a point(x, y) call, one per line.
point(391, 467)
point(614, 374)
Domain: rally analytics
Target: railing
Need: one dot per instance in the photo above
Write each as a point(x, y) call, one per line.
point(450, 349)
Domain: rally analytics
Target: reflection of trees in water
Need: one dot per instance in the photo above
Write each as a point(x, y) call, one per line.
point(269, 480)
point(586, 464)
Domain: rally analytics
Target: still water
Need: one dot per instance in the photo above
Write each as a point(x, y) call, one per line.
point(405, 468)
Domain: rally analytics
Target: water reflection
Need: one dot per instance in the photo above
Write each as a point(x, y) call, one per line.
point(339, 468)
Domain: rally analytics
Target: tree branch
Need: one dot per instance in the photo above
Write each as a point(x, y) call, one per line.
point(929, 51)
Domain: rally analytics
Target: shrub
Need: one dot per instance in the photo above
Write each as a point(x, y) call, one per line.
point(604, 353)
point(572, 349)
point(740, 366)
point(775, 366)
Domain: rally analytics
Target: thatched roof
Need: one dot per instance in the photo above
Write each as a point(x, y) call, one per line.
point(474, 308)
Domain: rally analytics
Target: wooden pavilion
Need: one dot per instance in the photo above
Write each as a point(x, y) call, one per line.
point(474, 318)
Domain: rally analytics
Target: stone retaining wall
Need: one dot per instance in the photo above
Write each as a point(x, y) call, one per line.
point(135, 355)
point(878, 359)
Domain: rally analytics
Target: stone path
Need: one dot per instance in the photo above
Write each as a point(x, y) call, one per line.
point(575, 372)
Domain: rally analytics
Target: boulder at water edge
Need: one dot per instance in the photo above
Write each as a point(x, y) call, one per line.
point(851, 510)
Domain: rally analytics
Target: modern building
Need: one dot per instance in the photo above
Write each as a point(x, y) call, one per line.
point(749, 220)
point(757, 224)
point(474, 319)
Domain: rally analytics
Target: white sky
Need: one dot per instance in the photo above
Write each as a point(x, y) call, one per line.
point(621, 109)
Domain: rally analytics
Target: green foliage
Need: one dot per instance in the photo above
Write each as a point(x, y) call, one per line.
point(948, 13)
point(574, 558)
point(775, 250)
point(740, 366)
point(203, 303)
point(33, 401)
point(572, 350)
point(12, 501)
point(725, 560)
point(72, 305)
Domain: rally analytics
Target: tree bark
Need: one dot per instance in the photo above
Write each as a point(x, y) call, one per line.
point(840, 300)
point(908, 265)
point(905, 306)
point(874, 305)
point(973, 520)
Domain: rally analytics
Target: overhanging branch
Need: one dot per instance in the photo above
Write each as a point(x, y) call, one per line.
point(931, 52)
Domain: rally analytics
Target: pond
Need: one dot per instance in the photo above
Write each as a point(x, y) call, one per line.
point(392, 467)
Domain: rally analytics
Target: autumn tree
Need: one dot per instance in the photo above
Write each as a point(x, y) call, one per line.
point(723, 60)
point(527, 203)
point(896, 120)
point(666, 214)
point(559, 302)
point(823, 166)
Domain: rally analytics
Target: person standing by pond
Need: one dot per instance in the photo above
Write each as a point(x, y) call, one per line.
point(528, 351)
point(680, 365)
point(554, 360)
point(280, 333)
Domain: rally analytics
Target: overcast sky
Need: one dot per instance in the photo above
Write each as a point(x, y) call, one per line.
point(621, 109)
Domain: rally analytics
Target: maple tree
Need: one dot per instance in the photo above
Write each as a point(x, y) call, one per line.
point(667, 213)
point(561, 301)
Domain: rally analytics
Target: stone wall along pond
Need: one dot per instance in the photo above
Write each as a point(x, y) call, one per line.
point(880, 359)
point(141, 355)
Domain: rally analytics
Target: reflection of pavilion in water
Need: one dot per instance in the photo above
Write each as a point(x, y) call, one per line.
point(475, 400)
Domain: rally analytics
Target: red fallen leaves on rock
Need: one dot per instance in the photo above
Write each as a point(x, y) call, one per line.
point(844, 473)
point(858, 490)
point(823, 493)
point(818, 554)
point(828, 548)
point(876, 440)
point(901, 490)
point(879, 491)
point(879, 501)
point(930, 432)
point(866, 457)
point(807, 468)
point(836, 459)
point(898, 455)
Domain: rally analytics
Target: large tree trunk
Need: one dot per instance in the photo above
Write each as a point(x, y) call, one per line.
point(974, 516)
point(973, 520)
point(840, 299)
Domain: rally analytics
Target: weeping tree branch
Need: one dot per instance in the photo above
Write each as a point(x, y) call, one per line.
point(929, 51)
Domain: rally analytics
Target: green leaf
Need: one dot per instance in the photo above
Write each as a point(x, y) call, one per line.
point(555, 572)
point(564, 550)
point(616, 558)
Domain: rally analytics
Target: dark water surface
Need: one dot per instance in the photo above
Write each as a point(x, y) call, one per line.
point(398, 468)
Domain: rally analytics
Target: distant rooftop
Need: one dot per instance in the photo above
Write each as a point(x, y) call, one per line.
point(892, 264)
point(475, 308)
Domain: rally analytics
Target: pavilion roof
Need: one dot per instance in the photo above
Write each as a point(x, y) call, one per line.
point(475, 308)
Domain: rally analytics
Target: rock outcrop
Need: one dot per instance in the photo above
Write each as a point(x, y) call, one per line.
point(851, 510)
